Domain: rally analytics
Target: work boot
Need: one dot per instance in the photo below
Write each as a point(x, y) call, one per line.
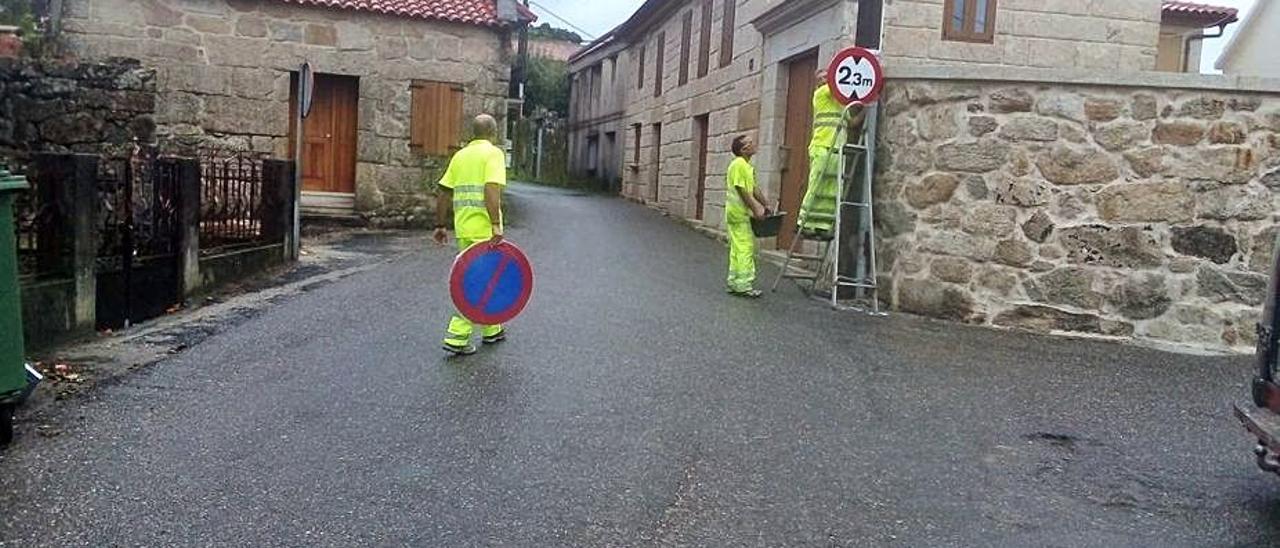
point(749, 293)
point(495, 338)
point(463, 350)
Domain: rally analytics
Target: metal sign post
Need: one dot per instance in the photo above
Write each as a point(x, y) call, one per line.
point(306, 89)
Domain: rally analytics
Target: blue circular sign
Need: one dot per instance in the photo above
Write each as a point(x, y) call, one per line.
point(491, 283)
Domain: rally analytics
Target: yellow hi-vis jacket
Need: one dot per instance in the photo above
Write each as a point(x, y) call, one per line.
point(827, 117)
point(477, 164)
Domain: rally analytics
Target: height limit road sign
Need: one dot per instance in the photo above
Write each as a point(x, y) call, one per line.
point(854, 76)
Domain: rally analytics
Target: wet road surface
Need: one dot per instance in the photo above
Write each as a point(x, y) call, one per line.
point(638, 405)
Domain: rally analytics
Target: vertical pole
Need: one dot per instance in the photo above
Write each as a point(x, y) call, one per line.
point(523, 64)
point(836, 236)
point(294, 249)
point(870, 31)
point(537, 169)
point(868, 228)
point(306, 80)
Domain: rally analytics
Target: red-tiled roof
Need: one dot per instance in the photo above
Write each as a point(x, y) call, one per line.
point(472, 12)
point(1206, 13)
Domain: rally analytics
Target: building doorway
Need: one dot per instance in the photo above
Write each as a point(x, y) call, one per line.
point(657, 162)
point(329, 142)
point(795, 143)
point(700, 130)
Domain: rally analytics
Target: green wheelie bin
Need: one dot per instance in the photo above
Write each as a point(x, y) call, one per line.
point(13, 374)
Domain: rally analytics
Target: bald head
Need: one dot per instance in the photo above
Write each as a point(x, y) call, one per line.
point(485, 127)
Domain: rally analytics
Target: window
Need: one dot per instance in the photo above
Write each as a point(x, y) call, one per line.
point(662, 54)
point(704, 40)
point(635, 143)
point(969, 21)
point(640, 73)
point(686, 34)
point(435, 125)
point(597, 77)
point(613, 71)
point(727, 26)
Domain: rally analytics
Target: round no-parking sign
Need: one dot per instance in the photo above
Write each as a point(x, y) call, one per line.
point(491, 284)
point(854, 76)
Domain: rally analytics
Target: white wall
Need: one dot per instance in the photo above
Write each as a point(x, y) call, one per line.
point(1255, 50)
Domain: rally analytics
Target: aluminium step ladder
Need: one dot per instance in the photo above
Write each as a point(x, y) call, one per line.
point(853, 191)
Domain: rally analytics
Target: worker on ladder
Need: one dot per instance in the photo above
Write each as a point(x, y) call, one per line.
point(830, 132)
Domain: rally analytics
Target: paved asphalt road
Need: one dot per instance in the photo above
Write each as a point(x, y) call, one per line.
point(638, 405)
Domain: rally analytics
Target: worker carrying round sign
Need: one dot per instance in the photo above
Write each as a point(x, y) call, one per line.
point(851, 81)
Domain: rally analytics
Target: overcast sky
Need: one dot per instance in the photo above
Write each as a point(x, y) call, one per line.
point(596, 17)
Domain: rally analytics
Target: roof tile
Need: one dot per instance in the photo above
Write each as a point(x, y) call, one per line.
point(472, 12)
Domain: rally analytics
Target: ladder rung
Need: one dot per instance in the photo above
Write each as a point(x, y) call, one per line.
point(856, 204)
point(853, 146)
point(804, 257)
point(800, 276)
point(858, 285)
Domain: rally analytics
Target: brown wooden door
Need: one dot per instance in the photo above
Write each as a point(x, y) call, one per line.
point(329, 142)
point(699, 196)
point(795, 142)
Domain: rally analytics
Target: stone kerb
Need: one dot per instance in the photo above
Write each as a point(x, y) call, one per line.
point(1132, 211)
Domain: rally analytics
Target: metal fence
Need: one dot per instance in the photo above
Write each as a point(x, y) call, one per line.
point(138, 208)
point(38, 222)
point(233, 200)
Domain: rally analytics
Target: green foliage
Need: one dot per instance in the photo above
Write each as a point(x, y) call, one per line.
point(21, 14)
point(547, 86)
point(547, 31)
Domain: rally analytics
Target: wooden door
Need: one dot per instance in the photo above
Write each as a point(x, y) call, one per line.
point(329, 139)
point(700, 124)
point(795, 143)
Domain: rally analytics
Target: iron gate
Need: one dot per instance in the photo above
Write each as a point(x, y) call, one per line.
point(137, 261)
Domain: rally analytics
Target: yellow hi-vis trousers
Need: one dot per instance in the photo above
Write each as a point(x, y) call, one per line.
point(742, 255)
point(818, 209)
point(460, 328)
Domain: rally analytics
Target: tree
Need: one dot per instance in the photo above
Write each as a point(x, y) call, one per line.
point(22, 14)
point(547, 86)
point(545, 30)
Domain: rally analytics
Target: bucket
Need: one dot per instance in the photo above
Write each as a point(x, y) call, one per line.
point(769, 226)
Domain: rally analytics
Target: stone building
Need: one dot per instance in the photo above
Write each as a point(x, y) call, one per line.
point(597, 104)
point(1034, 170)
point(394, 82)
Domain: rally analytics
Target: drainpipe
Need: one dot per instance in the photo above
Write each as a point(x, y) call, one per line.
point(1186, 42)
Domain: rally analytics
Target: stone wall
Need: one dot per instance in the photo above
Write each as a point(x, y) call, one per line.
point(224, 75)
point(67, 107)
point(1062, 34)
point(1118, 210)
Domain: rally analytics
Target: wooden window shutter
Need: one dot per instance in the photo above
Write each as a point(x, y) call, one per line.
point(704, 40)
point(686, 36)
point(435, 126)
point(640, 74)
point(659, 62)
point(727, 27)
